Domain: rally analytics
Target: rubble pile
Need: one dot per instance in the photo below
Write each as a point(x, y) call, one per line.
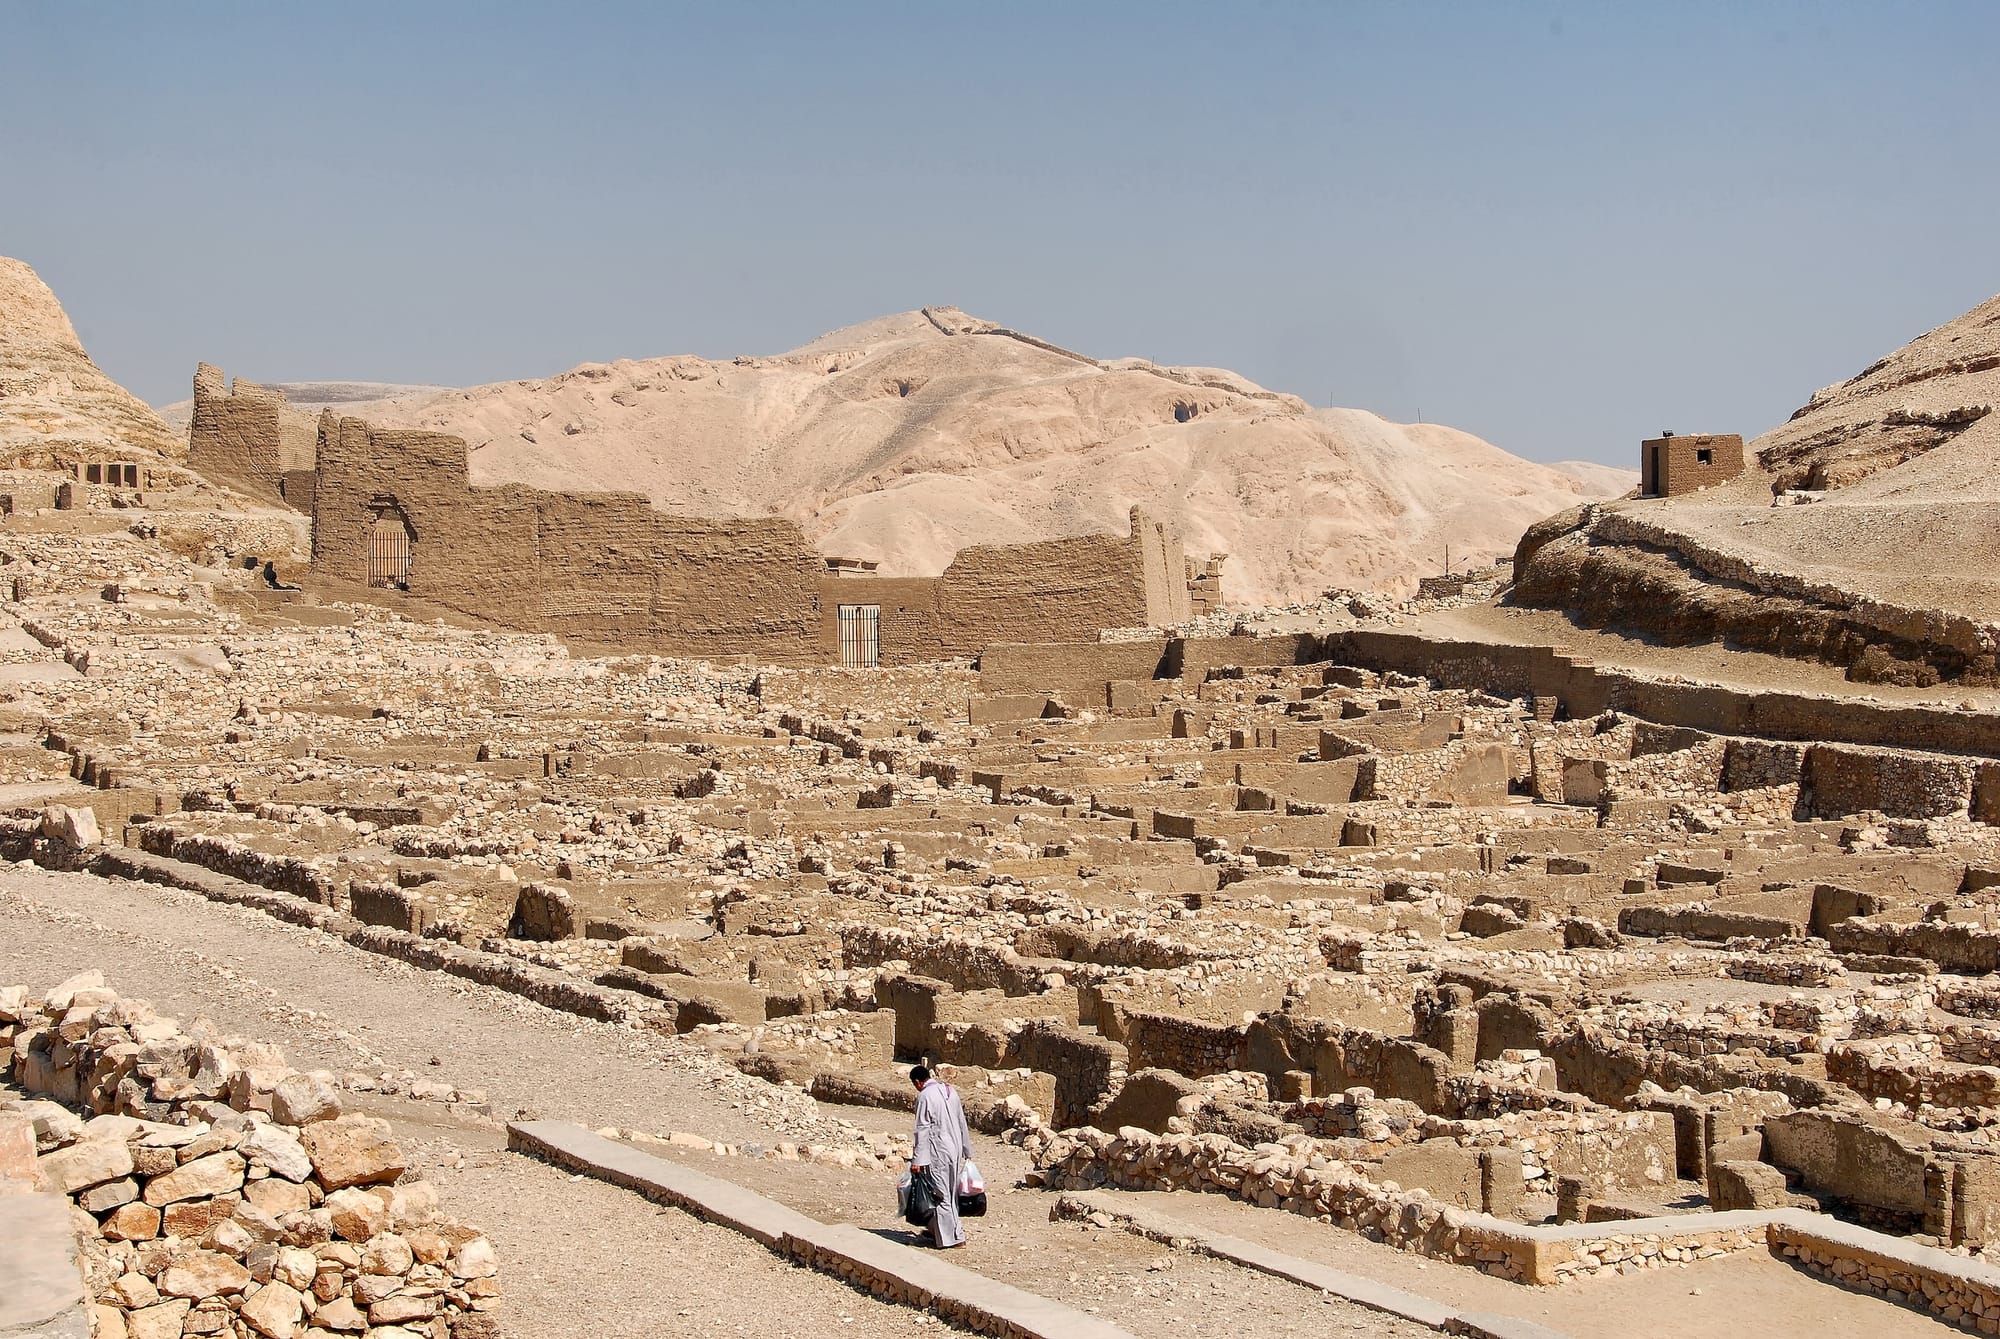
point(218, 1191)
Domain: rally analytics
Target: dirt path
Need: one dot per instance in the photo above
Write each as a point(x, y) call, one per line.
point(585, 1258)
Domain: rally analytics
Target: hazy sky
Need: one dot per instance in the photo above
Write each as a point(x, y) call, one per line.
point(1560, 226)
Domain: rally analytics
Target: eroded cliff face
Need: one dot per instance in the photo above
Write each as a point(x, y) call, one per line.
point(1898, 408)
point(1864, 533)
point(56, 407)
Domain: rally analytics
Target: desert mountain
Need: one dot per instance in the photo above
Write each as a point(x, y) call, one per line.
point(909, 437)
point(56, 407)
point(1861, 532)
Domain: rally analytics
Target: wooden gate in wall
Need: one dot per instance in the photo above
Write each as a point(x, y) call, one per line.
point(389, 551)
point(860, 635)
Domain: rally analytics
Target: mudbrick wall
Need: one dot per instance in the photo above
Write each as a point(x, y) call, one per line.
point(245, 435)
point(234, 437)
point(1053, 590)
point(609, 568)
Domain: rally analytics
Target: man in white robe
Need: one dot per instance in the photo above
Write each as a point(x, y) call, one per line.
point(939, 1149)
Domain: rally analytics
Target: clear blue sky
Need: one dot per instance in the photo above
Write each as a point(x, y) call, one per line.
point(1561, 226)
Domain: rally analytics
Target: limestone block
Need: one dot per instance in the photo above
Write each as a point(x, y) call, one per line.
point(303, 1099)
point(88, 1162)
point(203, 1178)
point(352, 1151)
point(158, 1322)
point(201, 1273)
point(358, 1215)
point(269, 1146)
point(274, 1311)
point(74, 828)
point(1746, 1185)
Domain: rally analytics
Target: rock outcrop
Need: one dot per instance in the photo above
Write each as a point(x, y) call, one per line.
point(56, 407)
point(1861, 534)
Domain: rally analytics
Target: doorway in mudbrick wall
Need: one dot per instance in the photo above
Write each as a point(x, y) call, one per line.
point(389, 541)
point(860, 635)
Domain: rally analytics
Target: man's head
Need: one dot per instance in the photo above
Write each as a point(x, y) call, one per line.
point(920, 1076)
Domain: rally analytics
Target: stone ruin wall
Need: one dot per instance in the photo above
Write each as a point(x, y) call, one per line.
point(608, 568)
point(245, 435)
point(216, 1190)
point(602, 567)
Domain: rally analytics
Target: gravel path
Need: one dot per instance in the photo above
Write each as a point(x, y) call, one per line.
point(581, 1257)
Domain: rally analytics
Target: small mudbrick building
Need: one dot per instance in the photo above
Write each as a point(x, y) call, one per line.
point(1670, 466)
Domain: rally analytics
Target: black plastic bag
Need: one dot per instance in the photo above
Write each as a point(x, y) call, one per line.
point(973, 1205)
point(922, 1204)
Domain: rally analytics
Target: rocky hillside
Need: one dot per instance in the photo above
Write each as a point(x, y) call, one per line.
point(909, 437)
point(56, 408)
point(1864, 532)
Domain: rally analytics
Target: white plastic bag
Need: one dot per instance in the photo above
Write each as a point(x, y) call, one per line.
point(970, 1182)
point(903, 1195)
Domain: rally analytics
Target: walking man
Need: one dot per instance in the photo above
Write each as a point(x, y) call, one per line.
point(939, 1149)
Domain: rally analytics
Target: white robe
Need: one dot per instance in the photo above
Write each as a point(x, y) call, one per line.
point(940, 1146)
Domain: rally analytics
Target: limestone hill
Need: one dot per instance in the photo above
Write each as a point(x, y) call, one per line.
point(1862, 532)
point(907, 438)
point(56, 407)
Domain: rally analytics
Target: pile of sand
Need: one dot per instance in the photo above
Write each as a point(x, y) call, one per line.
point(909, 437)
point(56, 407)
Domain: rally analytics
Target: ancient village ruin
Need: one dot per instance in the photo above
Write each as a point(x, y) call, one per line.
point(1539, 962)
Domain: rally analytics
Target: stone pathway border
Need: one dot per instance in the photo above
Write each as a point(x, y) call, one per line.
point(41, 1288)
point(888, 1269)
point(1354, 1288)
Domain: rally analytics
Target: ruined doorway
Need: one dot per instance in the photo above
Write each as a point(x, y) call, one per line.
point(860, 635)
point(389, 540)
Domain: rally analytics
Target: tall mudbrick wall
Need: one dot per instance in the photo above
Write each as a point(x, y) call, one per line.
point(609, 568)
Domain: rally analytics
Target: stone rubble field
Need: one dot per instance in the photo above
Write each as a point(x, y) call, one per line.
point(1435, 965)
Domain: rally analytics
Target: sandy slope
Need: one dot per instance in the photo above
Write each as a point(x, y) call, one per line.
point(1906, 455)
point(908, 437)
point(56, 407)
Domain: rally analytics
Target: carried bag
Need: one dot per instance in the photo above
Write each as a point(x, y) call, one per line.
point(920, 1203)
point(971, 1191)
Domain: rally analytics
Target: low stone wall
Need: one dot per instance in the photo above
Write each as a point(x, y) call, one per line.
point(1840, 781)
point(1696, 920)
point(1411, 1220)
point(963, 963)
point(224, 855)
point(1904, 1072)
point(1957, 1291)
point(224, 1192)
point(1954, 947)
